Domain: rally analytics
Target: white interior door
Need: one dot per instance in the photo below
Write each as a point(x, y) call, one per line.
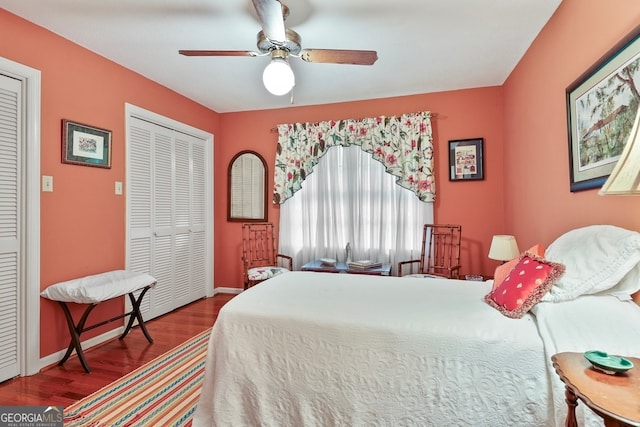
point(162, 215)
point(10, 225)
point(169, 211)
point(201, 222)
point(20, 194)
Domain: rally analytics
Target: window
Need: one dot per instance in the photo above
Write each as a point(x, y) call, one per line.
point(350, 198)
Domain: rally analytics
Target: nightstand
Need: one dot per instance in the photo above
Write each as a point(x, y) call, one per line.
point(614, 397)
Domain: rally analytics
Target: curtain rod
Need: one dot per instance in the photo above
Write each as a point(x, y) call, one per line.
point(275, 129)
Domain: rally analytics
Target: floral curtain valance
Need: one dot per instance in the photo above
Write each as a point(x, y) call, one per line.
point(404, 145)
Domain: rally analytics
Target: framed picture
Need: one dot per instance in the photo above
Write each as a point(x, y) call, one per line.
point(601, 110)
point(85, 145)
point(466, 159)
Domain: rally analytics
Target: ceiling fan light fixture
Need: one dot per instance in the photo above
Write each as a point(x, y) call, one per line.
point(278, 77)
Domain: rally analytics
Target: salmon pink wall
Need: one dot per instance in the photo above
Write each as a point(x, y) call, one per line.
point(82, 220)
point(525, 192)
point(477, 205)
point(539, 205)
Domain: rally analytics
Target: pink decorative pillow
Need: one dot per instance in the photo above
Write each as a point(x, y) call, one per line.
point(502, 271)
point(526, 284)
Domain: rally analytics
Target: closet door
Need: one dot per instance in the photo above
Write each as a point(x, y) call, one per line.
point(139, 197)
point(190, 213)
point(163, 267)
point(169, 222)
point(10, 230)
point(200, 242)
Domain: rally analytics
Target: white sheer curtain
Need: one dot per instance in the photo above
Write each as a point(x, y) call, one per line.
point(349, 198)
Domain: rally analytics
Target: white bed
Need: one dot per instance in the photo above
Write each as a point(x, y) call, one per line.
point(322, 349)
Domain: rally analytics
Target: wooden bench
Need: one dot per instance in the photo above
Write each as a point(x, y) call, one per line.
point(93, 290)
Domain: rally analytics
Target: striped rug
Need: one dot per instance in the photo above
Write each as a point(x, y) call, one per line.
point(163, 392)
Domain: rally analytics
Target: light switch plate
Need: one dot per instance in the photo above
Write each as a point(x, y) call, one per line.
point(47, 183)
point(118, 188)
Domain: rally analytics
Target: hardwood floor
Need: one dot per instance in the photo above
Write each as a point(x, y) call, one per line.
point(63, 385)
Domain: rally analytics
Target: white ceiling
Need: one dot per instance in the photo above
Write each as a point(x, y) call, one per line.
point(423, 45)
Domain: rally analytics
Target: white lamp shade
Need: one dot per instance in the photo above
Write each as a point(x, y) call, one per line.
point(625, 177)
point(503, 248)
point(278, 77)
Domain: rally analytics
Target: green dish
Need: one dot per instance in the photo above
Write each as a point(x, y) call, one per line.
point(608, 363)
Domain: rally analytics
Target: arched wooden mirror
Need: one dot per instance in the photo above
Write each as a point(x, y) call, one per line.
point(247, 195)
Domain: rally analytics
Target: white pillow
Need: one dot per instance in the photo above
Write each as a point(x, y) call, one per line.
point(596, 258)
point(629, 285)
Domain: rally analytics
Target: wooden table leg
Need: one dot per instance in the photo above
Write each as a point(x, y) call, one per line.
point(74, 332)
point(572, 402)
point(136, 314)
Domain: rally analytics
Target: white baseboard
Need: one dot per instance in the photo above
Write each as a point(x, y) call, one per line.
point(223, 290)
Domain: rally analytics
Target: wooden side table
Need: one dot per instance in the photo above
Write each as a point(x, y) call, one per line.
point(616, 398)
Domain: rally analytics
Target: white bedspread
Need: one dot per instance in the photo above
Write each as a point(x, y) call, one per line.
point(320, 349)
point(98, 287)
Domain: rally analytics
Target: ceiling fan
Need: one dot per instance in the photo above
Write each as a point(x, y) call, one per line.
point(281, 43)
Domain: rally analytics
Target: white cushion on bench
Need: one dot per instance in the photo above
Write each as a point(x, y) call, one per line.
point(98, 287)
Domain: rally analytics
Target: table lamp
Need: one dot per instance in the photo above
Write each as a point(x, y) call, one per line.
point(503, 248)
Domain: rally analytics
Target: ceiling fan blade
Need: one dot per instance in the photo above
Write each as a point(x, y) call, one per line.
point(339, 56)
point(271, 19)
point(218, 53)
